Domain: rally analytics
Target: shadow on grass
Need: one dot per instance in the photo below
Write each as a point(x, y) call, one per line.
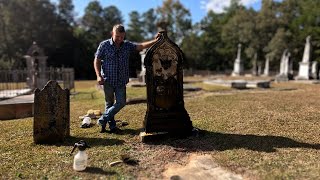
point(210, 141)
point(132, 132)
point(91, 141)
point(96, 170)
point(96, 141)
point(100, 141)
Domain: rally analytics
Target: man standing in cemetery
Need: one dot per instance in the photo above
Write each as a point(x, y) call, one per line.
point(111, 64)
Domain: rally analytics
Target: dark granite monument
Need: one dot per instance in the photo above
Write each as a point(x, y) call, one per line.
point(51, 114)
point(164, 79)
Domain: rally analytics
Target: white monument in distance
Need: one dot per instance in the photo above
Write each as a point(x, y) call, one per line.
point(266, 67)
point(238, 66)
point(304, 66)
point(285, 68)
point(143, 68)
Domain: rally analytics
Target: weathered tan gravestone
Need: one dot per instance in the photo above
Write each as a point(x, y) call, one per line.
point(51, 114)
point(164, 79)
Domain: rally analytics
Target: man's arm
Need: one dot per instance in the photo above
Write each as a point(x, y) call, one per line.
point(147, 44)
point(97, 69)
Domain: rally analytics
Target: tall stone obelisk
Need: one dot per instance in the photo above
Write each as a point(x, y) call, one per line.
point(238, 65)
point(266, 67)
point(304, 65)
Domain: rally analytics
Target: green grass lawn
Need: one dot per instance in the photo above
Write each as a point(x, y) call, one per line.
point(261, 134)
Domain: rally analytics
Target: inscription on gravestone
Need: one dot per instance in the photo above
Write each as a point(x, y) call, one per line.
point(51, 114)
point(164, 80)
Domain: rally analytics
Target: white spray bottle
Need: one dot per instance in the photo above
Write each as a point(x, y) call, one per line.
point(80, 161)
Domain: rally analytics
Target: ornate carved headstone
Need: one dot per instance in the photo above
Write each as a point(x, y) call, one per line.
point(51, 114)
point(164, 80)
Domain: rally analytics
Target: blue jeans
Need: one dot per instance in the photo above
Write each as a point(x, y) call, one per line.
point(111, 107)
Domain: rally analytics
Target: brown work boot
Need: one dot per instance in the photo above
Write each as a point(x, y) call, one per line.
point(103, 130)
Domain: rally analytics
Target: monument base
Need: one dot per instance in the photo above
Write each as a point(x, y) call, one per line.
point(237, 74)
point(283, 78)
point(175, 123)
point(302, 78)
point(304, 71)
point(237, 68)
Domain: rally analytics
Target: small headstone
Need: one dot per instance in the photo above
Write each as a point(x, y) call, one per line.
point(240, 84)
point(237, 84)
point(51, 114)
point(258, 84)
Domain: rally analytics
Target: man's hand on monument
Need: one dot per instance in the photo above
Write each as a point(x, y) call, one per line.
point(157, 36)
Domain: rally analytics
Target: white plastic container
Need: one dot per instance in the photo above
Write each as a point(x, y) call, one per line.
point(86, 122)
point(80, 160)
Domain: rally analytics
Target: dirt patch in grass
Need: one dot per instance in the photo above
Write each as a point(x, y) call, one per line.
point(199, 167)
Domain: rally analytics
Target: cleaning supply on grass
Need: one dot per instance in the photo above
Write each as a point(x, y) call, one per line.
point(80, 161)
point(86, 122)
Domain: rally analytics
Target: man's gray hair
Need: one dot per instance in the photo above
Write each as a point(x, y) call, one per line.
point(118, 28)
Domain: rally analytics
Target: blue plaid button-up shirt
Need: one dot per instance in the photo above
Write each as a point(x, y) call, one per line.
point(115, 61)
